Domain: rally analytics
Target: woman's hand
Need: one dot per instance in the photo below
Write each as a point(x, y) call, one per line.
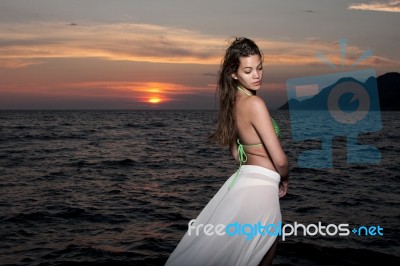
point(283, 187)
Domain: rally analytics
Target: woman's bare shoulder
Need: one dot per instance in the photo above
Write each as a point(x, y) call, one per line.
point(257, 105)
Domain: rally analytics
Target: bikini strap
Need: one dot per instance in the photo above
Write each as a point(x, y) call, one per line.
point(242, 157)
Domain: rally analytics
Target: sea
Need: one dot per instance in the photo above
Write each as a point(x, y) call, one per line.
point(119, 188)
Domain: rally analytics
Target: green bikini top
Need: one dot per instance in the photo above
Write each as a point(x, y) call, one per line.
point(242, 154)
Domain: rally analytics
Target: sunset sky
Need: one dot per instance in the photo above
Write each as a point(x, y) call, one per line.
point(158, 54)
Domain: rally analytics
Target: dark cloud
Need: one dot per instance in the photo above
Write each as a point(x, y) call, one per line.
point(210, 74)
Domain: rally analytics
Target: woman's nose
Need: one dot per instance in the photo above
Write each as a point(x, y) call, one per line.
point(256, 75)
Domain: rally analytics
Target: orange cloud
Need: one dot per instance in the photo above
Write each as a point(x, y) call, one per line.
point(18, 63)
point(28, 44)
point(291, 53)
point(391, 6)
point(145, 92)
point(108, 94)
point(131, 42)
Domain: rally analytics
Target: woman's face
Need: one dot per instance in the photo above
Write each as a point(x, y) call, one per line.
point(249, 73)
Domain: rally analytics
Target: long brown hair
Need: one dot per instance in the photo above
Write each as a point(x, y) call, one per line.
point(226, 131)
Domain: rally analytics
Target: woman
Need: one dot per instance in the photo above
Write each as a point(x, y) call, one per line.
point(248, 203)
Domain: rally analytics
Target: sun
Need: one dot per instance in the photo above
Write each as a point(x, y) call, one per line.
point(154, 100)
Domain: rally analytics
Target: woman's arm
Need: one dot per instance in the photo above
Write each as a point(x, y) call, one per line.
point(234, 151)
point(268, 136)
point(259, 117)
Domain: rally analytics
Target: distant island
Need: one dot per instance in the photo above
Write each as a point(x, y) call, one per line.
point(388, 89)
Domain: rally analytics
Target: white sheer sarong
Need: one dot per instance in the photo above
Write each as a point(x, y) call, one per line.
point(253, 200)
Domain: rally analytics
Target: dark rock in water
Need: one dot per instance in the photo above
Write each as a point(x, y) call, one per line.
point(388, 90)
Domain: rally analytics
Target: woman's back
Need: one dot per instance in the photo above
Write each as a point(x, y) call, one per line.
point(246, 109)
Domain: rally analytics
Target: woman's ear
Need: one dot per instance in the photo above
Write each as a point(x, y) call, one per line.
point(234, 76)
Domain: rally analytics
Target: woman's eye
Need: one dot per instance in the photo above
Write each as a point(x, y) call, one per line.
point(247, 72)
